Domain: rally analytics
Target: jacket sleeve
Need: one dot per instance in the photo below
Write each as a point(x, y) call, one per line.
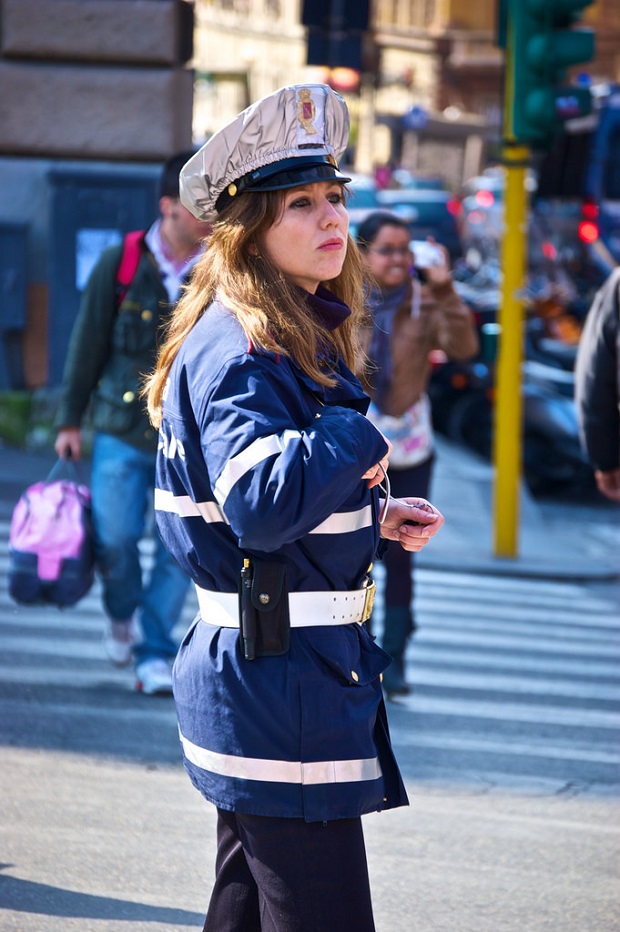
point(90, 341)
point(597, 378)
point(274, 480)
point(454, 324)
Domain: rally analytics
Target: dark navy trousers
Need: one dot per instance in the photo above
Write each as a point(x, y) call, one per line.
point(287, 875)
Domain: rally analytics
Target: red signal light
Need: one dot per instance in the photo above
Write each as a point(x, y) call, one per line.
point(589, 210)
point(588, 231)
point(454, 207)
point(485, 198)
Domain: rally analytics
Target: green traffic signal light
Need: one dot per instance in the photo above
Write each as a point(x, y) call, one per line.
point(541, 45)
point(555, 51)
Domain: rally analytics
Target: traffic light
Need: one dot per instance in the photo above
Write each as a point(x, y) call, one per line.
point(542, 45)
point(335, 32)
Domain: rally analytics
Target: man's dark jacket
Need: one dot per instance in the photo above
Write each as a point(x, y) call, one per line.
point(598, 378)
point(111, 348)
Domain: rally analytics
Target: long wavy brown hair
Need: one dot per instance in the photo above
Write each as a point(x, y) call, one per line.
point(265, 303)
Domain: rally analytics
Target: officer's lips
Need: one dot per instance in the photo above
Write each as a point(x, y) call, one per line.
point(332, 244)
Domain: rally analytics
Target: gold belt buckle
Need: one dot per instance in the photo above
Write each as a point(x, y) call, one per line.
point(369, 600)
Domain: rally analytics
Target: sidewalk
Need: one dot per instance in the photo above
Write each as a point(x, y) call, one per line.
point(552, 542)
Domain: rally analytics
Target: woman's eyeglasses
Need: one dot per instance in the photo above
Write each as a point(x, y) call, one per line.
point(389, 251)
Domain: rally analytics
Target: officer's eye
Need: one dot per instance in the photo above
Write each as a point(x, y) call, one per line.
point(337, 197)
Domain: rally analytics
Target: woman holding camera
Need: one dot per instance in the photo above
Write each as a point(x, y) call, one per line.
point(415, 310)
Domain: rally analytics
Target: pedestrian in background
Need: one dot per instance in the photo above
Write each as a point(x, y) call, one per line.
point(268, 496)
point(414, 310)
point(113, 343)
point(597, 386)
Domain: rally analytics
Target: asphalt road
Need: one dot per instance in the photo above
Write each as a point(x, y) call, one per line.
point(508, 745)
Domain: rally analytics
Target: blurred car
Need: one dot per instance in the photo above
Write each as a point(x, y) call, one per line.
point(428, 212)
point(362, 200)
point(406, 179)
point(481, 219)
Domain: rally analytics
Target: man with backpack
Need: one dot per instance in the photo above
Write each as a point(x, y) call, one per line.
point(114, 342)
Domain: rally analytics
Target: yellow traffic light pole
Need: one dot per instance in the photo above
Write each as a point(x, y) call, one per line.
point(507, 453)
point(507, 443)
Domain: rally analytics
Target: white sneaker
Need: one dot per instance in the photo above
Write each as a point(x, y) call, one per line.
point(119, 638)
point(154, 678)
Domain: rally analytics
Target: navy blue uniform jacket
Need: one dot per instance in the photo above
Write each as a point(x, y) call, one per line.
point(257, 460)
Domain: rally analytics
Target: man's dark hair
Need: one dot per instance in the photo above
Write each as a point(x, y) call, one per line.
point(369, 228)
point(169, 182)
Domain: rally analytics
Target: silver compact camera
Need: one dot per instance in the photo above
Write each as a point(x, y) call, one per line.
point(425, 254)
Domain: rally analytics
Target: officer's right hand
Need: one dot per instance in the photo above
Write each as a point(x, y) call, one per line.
point(375, 474)
point(69, 443)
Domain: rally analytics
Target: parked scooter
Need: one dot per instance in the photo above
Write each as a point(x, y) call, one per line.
point(553, 460)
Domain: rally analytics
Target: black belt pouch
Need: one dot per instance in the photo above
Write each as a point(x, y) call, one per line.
point(265, 620)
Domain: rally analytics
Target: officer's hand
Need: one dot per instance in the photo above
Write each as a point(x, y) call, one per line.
point(375, 474)
point(413, 537)
point(69, 443)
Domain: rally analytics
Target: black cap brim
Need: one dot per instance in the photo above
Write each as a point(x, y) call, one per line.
point(294, 175)
point(286, 173)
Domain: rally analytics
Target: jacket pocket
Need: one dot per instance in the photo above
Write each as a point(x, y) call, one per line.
point(349, 654)
point(135, 329)
point(117, 405)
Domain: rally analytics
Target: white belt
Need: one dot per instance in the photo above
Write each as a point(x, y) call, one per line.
point(307, 609)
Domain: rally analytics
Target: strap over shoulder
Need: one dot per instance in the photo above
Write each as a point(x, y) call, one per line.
point(133, 246)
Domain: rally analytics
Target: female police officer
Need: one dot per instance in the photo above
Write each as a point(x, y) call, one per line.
point(268, 474)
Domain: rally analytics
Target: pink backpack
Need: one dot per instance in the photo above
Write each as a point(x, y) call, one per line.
point(51, 551)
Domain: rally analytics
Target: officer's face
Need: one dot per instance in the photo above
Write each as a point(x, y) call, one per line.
point(308, 241)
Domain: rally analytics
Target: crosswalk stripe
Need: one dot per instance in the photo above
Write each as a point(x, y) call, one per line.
point(159, 710)
point(456, 608)
point(509, 712)
point(520, 685)
point(69, 647)
point(499, 660)
point(499, 624)
point(499, 583)
point(72, 677)
point(512, 642)
point(531, 749)
point(569, 602)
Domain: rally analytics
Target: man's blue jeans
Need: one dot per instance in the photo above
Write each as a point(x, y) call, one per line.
point(122, 481)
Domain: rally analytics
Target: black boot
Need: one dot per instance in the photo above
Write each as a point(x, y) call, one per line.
point(397, 627)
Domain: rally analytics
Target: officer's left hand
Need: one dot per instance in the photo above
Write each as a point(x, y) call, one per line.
point(411, 536)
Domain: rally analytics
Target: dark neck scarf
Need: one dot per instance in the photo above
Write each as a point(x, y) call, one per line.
point(329, 309)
